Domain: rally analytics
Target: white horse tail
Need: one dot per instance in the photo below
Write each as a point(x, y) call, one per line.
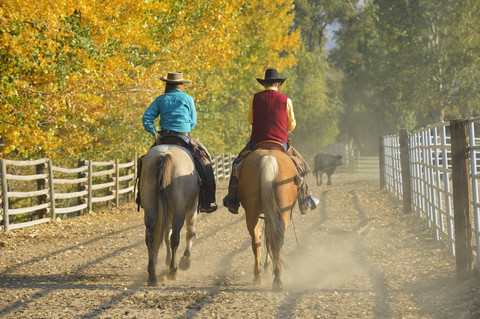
point(164, 179)
point(274, 224)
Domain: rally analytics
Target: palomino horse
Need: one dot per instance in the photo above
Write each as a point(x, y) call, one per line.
point(169, 188)
point(267, 184)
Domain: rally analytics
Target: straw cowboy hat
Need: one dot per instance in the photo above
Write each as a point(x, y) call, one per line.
point(271, 76)
point(175, 77)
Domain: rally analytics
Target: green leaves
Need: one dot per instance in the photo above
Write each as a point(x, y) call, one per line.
point(406, 64)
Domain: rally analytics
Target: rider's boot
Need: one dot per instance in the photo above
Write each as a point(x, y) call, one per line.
point(209, 208)
point(231, 201)
point(208, 204)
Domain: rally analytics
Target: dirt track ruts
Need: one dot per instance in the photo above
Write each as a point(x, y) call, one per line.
point(356, 256)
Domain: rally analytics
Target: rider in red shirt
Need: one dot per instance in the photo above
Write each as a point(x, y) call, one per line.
point(272, 118)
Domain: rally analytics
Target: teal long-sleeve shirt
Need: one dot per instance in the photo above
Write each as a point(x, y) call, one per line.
point(176, 110)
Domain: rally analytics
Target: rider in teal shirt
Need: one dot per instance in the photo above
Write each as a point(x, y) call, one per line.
point(177, 111)
point(178, 117)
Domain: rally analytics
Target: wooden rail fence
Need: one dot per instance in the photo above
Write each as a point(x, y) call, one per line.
point(35, 192)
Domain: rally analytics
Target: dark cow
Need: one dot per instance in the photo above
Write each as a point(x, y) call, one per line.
point(326, 163)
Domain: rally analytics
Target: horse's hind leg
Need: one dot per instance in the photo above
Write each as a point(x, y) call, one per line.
point(277, 263)
point(168, 258)
point(152, 246)
point(277, 282)
point(174, 242)
point(185, 260)
point(266, 264)
point(253, 227)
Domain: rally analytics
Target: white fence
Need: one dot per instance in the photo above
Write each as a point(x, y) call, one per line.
point(35, 192)
point(439, 186)
point(222, 166)
point(366, 164)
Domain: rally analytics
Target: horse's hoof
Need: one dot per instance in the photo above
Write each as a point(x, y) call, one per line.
point(184, 263)
point(152, 282)
point(172, 275)
point(257, 282)
point(277, 286)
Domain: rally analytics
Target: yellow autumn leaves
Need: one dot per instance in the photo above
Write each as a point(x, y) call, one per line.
point(76, 77)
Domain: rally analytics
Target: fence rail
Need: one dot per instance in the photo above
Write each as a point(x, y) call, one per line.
point(35, 192)
point(435, 171)
point(367, 165)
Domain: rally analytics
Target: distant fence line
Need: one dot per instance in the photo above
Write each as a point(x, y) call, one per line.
point(434, 170)
point(35, 192)
point(352, 161)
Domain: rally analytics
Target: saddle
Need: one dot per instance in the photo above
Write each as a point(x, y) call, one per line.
point(274, 145)
point(270, 145)
point(174, 139)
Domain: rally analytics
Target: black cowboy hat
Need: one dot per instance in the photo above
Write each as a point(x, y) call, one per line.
point(271, 76)
point(174, 77)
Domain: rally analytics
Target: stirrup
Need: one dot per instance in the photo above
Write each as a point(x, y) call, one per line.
point(311, 202)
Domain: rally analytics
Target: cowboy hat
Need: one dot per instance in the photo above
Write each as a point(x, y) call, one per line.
point(175, 77)
point(271, 76)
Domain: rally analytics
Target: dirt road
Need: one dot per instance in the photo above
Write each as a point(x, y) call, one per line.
point(355, 256)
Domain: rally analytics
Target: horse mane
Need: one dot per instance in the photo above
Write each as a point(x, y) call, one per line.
point(274, 224)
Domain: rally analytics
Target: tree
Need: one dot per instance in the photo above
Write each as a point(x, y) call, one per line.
point(405, 65)
point(76, 79)
point(316, 109)
point(313, 83)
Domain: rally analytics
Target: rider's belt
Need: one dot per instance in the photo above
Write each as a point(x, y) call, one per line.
point(168, 132)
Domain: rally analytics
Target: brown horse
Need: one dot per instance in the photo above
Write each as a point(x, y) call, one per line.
point(268, 185)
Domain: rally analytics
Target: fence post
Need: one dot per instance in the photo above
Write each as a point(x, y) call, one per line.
point(109, 179)
point(51, 190)
point(3, 168)
point(117, 183)
point(40, 169)
point(89, 187)
point(405, 166)
point(128, 182)
point(82, 186)
point(135, 168)
point(461, 203)
point(381, 160)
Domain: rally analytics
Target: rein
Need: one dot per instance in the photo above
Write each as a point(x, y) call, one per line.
point(294, 229)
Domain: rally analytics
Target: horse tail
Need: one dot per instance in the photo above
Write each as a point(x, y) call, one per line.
point(164, 179)
point(274, 224)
